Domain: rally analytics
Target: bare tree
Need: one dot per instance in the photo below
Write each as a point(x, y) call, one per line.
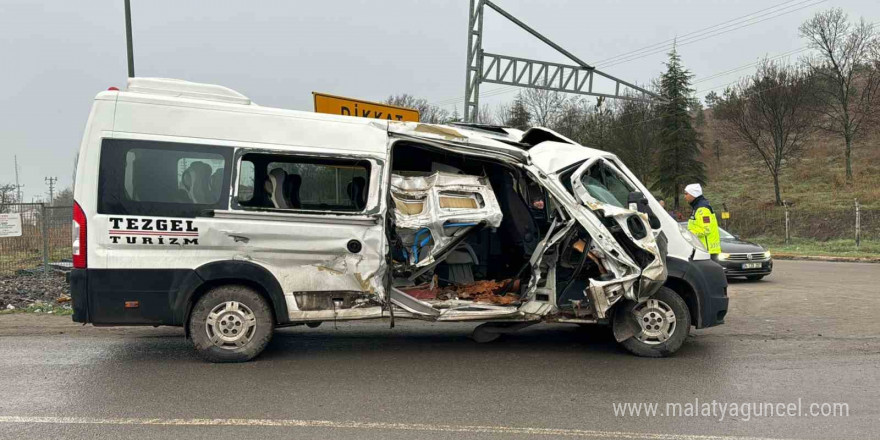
point(572, 120)
point(428, 112)
point(64, 197)
point(485, 116)
point(847, 85)
point(634, 137)
point(544, 105)
point(7, 196)
point(770, 115)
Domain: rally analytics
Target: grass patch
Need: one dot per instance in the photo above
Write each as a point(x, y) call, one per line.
point(41, 308)
point(833, 248)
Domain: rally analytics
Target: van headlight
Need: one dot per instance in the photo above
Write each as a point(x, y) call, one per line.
point(723, 256)
point(766, 255)
point(691, 238)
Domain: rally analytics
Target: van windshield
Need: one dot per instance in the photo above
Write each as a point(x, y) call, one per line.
point(606, 186)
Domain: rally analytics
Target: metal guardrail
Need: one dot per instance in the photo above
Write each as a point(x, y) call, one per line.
point(45, 243)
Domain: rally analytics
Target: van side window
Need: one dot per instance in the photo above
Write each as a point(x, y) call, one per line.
point(303, 183)
point(162, 178)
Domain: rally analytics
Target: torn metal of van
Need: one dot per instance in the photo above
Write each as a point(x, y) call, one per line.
point(430, 209)
point(612, 255)
point(654, 272)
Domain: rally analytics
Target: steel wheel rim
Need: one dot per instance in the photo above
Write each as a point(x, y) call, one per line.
point(657, 321)
point(231, 325)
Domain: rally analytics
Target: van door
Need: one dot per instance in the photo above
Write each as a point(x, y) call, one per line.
point(316, 221)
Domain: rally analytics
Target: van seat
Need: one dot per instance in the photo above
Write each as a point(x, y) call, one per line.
point(291, 190)
point(217, 184)
point(275, 188)
point(356, 190)
point(197, 183)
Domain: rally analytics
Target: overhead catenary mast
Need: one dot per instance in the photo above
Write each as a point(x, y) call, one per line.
point(578, 78)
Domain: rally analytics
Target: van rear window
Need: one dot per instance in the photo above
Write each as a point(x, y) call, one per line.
point(162, 178)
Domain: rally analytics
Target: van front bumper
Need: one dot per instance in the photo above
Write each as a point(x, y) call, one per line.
point(710, 283)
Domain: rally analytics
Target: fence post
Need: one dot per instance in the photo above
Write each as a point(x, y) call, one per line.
point(787, 228)
point(44, 219)
point(858, 224)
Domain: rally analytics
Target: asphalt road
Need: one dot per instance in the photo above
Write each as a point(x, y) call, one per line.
point(809, 332)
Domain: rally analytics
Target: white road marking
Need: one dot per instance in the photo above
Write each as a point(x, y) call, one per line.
point(367, 425)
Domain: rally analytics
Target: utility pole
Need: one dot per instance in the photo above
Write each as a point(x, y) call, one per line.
point(17, 186)
point(51, 182)
point(128, 43)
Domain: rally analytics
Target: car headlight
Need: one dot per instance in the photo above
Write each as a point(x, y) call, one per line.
point(766, 255)
point(723, 256)
point(691, 238)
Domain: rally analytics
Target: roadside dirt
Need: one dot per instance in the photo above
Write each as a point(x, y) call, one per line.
point(21, 291)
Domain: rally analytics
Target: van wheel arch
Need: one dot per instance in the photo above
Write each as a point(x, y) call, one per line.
point(687, 293)
point(244, 273)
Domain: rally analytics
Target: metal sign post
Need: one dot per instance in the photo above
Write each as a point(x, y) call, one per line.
point(128, 42)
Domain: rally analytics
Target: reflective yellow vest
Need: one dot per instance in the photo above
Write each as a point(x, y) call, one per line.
point(705, 226)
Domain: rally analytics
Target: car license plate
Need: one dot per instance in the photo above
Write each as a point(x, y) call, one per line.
point(751, 265)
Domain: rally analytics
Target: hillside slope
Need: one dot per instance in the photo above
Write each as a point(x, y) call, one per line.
point(813, 182)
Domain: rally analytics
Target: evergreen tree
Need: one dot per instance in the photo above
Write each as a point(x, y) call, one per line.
point(678, 159)
point(700, 117)
point(711, 98)
point(518, 116)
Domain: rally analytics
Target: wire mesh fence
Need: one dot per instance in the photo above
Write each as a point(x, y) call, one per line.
point(38, 241)
point(781, 224)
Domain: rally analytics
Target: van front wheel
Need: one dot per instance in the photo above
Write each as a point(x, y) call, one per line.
point(230, 324)
point(663, 324)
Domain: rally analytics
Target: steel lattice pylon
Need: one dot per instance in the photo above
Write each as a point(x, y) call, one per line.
point(502, 69)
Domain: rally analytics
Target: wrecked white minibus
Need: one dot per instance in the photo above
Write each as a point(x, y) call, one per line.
point(195, 207)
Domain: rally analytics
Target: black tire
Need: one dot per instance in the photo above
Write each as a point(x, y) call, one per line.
point(667, 347)
point(755, 277)
point(248, 304)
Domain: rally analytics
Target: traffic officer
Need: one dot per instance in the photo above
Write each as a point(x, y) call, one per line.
point(703, 222)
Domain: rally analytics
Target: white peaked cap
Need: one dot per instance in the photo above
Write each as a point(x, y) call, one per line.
point(694, 189)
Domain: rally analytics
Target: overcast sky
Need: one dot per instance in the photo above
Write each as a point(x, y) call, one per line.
point(56, 55)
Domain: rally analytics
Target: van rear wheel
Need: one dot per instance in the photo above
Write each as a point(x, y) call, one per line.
point(230, 323)
point(663, 324)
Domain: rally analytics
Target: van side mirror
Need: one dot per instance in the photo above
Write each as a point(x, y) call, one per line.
point(636, 197)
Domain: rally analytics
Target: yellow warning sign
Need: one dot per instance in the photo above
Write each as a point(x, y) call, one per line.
point(338, 105)
point(725, 215)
